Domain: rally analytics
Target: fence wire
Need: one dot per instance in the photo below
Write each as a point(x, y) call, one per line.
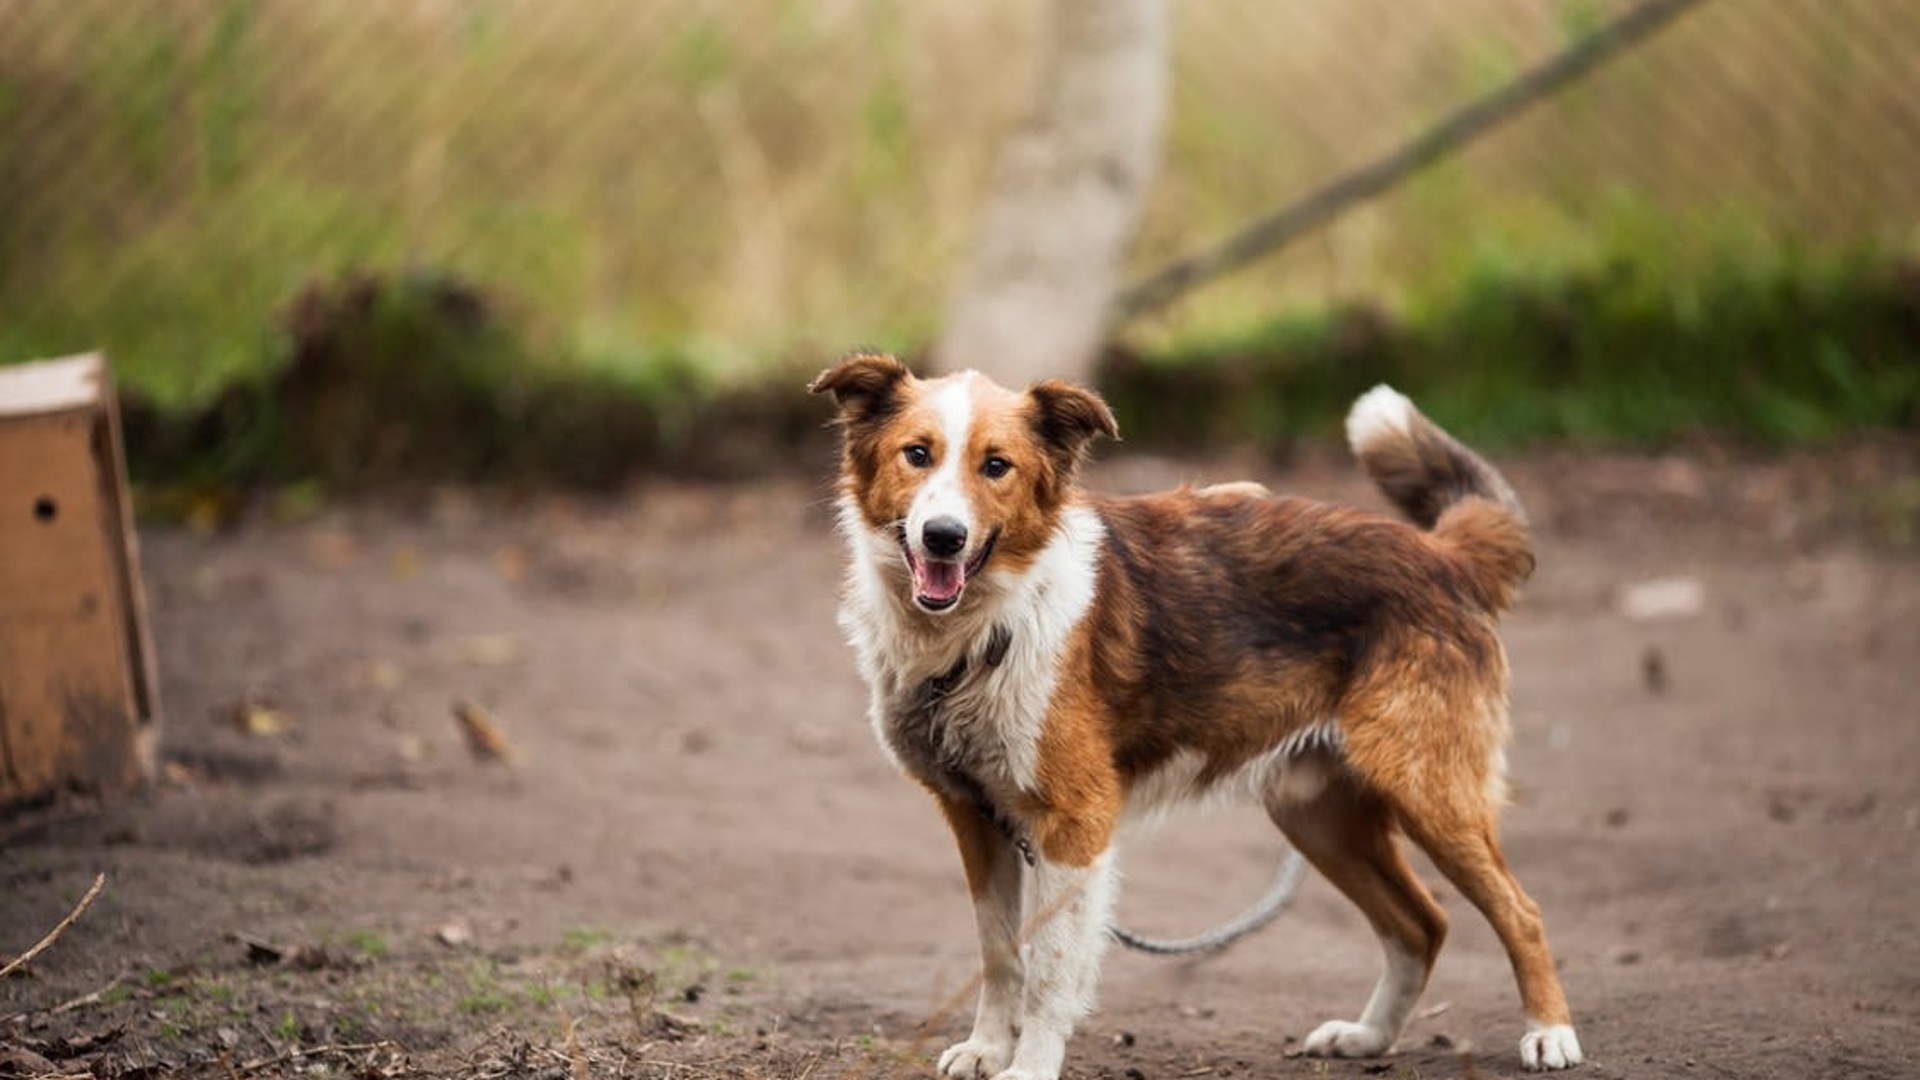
point(1749, 128)
point(747, 178)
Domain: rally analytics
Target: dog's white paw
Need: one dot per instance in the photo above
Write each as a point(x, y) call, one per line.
point(1346, 1039)
point(1551, 1047)
point(975, 1059)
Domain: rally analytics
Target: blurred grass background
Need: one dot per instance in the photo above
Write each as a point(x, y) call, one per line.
point(666, 200)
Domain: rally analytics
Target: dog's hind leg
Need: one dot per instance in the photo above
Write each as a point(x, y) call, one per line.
point(1457, 830)
point(1346, 831)
point(993, 867)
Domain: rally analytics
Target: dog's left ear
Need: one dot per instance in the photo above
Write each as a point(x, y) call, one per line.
point(1067, 417)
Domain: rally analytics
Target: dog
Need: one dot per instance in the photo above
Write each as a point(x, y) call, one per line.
point(1051, 664)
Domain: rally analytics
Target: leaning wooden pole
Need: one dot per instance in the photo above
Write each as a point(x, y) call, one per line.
point(1035, 290)
point(1464, 126)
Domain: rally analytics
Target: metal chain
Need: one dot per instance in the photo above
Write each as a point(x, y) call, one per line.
point(1285, 881)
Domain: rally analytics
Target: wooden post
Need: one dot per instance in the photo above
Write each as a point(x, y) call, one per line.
point(79, 709)
point(1033, 296)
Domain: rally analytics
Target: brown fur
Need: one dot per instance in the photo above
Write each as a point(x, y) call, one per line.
point(1227, 623)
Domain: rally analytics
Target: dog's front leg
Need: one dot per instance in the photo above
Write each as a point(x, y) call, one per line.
point(1067, 933)
point(993, 877)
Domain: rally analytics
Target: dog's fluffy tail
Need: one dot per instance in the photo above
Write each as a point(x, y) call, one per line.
point(1445, 488)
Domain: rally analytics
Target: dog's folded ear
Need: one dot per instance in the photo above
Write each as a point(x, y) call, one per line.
point(1067, 417)
point(862, 383)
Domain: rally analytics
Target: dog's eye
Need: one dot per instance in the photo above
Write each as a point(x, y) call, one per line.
point(996, 467)
point(919, 456)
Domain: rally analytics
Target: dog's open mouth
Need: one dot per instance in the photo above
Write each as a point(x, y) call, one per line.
point(938, 583)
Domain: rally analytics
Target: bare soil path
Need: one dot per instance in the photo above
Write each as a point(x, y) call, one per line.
point(697, 864)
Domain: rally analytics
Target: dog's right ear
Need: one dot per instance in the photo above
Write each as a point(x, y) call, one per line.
point(863, 384)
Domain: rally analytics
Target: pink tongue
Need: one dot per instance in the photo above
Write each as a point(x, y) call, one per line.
point(937, 580)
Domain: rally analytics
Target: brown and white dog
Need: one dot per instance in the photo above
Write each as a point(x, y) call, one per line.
point(1050, 664)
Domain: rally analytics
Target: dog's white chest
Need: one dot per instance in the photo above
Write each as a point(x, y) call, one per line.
point(960, 700)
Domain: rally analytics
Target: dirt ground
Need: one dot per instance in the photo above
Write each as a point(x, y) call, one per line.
point(696, 863)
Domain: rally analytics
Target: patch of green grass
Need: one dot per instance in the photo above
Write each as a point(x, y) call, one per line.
point(481, 1002)
point(174, 188)
point(584, 939)
point(1610, 350)
point(545, 994)
point(177, 173)
point(370, 943)
point(486, 992)
point(682, 966)
point(171, 186)
point(417, 379)
point(347, 1026)
point(421, 378)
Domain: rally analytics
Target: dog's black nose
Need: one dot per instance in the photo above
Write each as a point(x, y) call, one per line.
point(944, 536)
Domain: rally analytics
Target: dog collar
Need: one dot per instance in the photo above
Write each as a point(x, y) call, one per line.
point(998, 642)
point(933, 691)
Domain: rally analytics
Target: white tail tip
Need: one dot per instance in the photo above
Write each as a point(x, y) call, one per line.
point(1379, 412)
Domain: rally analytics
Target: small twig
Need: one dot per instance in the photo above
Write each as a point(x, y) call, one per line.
point(313, 1051)
point(575, 1057)
point(87, 999)
point(99, 882)
point(68, 1006)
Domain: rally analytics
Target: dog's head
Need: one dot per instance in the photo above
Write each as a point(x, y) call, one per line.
point(960, 473)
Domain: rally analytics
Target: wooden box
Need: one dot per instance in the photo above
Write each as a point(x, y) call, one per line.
point(78, 704)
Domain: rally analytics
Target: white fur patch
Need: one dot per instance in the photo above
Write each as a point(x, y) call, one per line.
point(1550, 1046)
point(1346, 1039)
point(1041, 609)
point(997, 712)
point(1176, 785)
point(944, 494)
point(1380, 1022)
point(1252, 489)
point(1324, 735)
point(1379, 413)
point(1393, 996)
point(1068, 910)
